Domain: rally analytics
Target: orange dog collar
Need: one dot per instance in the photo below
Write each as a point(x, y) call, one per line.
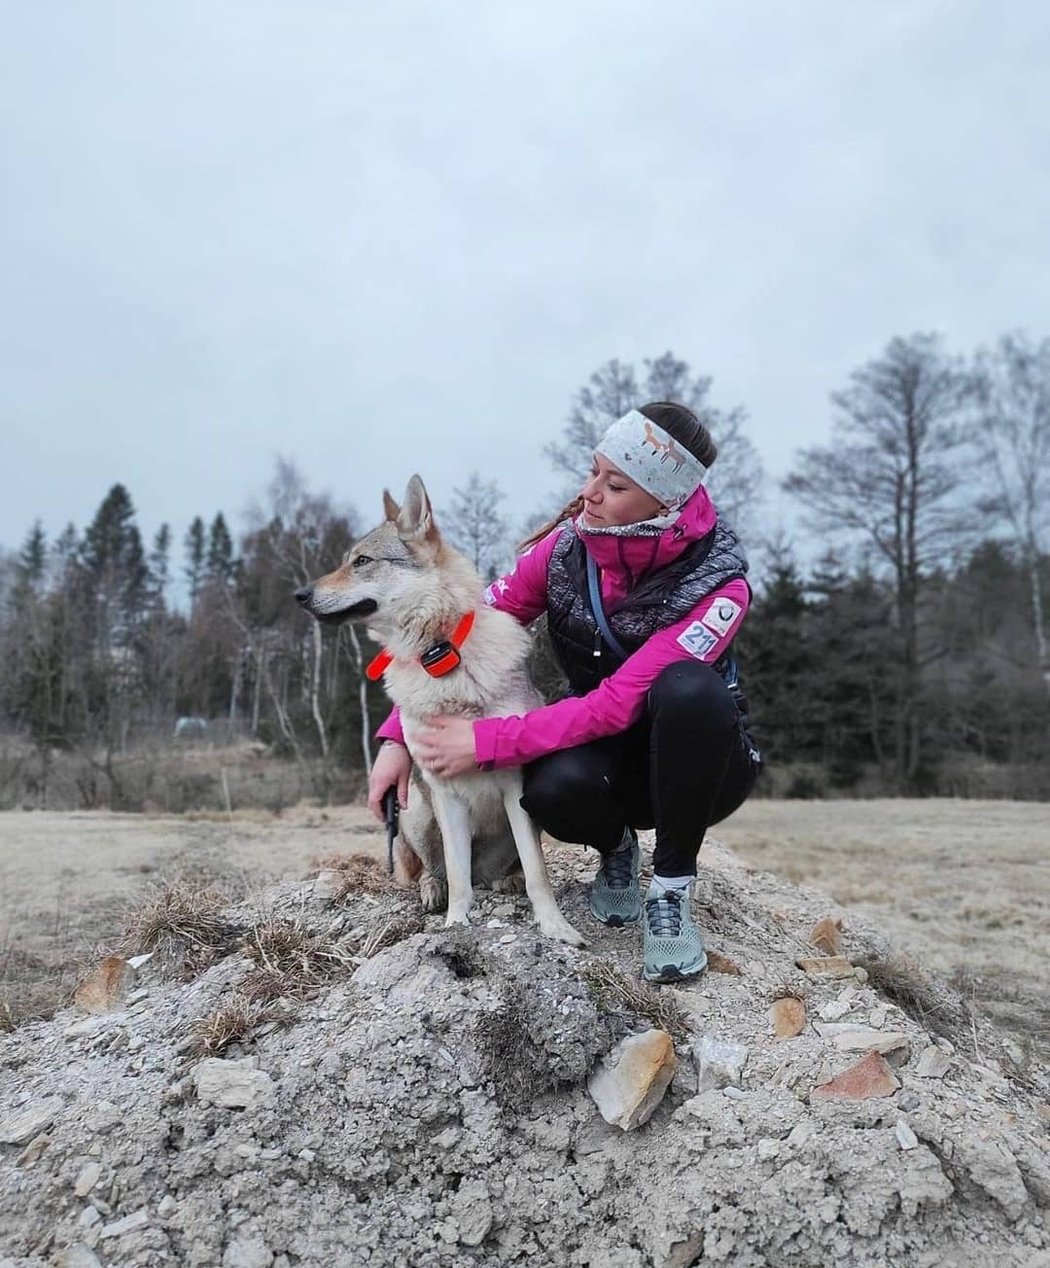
point(438, 660)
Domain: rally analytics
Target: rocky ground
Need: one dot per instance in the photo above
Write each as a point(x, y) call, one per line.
point(320, 1076)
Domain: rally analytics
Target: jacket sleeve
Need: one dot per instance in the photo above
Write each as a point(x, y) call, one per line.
point(618, 701)
point(522, 592)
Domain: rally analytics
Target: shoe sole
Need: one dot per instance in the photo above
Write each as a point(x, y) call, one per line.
point(616, 922)
point(672, 973)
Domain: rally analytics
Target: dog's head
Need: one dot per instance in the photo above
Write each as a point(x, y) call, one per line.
point(384, 573)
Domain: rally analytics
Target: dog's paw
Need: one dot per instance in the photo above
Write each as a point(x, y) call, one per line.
point(433, 893)
point(512, 884)
point(561, 931)
point(456, 918)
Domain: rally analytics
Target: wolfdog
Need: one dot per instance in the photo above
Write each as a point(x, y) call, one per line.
point(417, 594)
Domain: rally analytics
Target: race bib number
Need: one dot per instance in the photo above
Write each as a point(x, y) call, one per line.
point(697, 640)
point(721, 615)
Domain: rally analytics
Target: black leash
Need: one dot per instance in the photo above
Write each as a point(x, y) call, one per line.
point(390, 810)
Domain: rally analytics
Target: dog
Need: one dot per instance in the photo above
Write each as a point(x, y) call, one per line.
point(414, 592)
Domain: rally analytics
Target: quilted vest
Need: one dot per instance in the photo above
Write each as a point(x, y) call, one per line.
point(661, 599)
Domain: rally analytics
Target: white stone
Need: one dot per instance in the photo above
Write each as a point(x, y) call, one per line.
point(906, 1138)
point(630, 1082)
point(768, 1149)
point(933, 1063)
point(167, 1207)
point(734, 1093)
point(848, 1037)
point(877, 1018)
point(89, 1217)
point(30, 1122)
point(232, 1084)
point(247, 1252)
point(129, 1224)
point(834, 1009)
point(717, 1062)
point(87, 1178)
point(79, 1255)
point(137, 961)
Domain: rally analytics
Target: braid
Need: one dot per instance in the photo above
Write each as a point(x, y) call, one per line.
point(568, 512)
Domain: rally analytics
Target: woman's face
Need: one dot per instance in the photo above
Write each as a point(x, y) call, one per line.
point(611, 498)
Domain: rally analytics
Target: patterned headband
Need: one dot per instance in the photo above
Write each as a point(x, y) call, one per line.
point(645, 453)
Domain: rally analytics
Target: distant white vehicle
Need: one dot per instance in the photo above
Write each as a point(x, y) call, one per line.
point(190, 728)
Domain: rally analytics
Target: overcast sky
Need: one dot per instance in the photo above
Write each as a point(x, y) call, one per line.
point(381, 238)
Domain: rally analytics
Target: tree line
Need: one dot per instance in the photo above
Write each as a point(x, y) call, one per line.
point(907, 654)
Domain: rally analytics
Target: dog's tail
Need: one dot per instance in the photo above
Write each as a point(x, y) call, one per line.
point(407, 865)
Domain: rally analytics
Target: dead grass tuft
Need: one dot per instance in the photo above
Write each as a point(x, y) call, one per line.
point(789, 989)
point(179, 911)
point(234, 1021)
point(290, 960)
point(614, 992)
point(903, 982)
point(390, 932)
point(359, 874)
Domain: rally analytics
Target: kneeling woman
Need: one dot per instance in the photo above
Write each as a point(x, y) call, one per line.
point(644, 589)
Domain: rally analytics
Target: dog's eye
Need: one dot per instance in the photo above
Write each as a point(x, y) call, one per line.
point(361, 559)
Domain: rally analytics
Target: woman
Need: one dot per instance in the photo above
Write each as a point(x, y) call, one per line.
point(656, 731)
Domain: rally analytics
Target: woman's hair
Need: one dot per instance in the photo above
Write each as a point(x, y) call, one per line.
point(680, 423)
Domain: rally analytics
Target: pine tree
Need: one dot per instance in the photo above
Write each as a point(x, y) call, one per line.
point(219, 559)
point(195, 556)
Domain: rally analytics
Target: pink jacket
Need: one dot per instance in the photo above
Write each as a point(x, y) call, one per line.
point(619, 700)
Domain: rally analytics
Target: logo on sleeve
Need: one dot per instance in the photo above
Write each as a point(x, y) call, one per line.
point(721, 615)
point(697, 640)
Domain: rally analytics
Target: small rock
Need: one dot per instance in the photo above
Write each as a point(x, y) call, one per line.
point(137, 961)
point(32, 1153)
point(102, 1118)
point(932, 1063)
point(825, 966)
point(683, 1254)
point(232, 1084)
point(849, 1038)
point(787, 1017)
point(719, 963)
point(768, 1149)
point(506, 940)
point(734, 1093)
point(79, 1255)
point(717, 1062)
point(834, 1010)
point(84, 1027)
point(877, 1018)
point(30, 1122)
point(448, 1138)
point(87, 1178)
point(129, 1224)
point(247, 1252)
point(167, 1207)
point(104, 989)
point(909, 1101)
point(89, 1217)
point(472, 1212)
point(861, 974)
point(868, 1078)
point(826, 936)
point(906, 1138)
point(307, 1155)
point(630, 1081)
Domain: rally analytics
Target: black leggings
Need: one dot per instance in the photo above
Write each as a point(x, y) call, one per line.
point(688, 763)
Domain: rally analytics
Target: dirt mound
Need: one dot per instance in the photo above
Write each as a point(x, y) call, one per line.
point(382, 1091)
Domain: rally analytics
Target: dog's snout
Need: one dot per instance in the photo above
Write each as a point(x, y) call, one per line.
point(304, 594)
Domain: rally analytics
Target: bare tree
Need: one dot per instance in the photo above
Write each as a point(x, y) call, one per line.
point(1012, 437)
point(474, 525)
point(890, 478)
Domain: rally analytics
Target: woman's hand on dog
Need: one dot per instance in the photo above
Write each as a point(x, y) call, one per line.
point(445, 746)
point(393, 765)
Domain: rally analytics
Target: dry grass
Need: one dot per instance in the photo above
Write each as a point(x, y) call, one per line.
point(234, 1021)
point(359, 874)
point(614, 992)
point(903, 983)
point(399, 927)
point(177, 911)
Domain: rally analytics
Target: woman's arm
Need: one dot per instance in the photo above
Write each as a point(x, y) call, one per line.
point(619, 700)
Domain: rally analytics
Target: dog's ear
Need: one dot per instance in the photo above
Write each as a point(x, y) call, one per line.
point(416, 517)
point(390, 508)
